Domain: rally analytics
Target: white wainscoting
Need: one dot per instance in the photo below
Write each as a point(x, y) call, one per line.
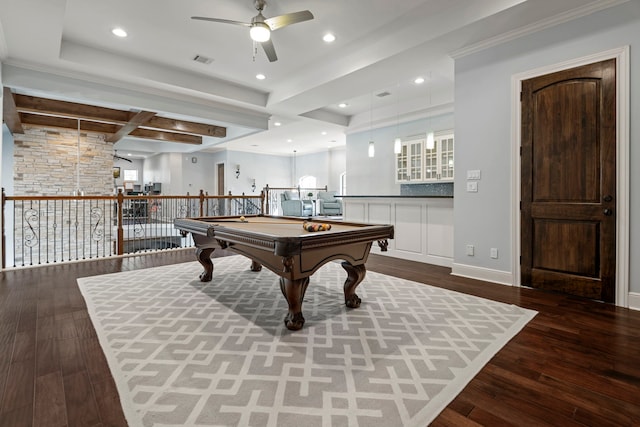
point(423, 225)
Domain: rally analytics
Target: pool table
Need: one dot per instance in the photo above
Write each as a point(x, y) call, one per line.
point(283, 246)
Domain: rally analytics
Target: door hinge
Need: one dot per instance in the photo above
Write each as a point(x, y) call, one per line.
point(520, 96)
point(520, 204)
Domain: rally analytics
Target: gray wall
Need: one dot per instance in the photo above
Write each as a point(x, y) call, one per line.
point(484, 126)
point(376, 176)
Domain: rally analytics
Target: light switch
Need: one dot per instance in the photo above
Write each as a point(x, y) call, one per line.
point(472, 187)
point(473, 174)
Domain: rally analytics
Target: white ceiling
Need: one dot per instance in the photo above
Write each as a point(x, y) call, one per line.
point(381, 46)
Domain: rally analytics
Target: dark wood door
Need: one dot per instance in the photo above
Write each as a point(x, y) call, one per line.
point(568, 165)
point(220, 179)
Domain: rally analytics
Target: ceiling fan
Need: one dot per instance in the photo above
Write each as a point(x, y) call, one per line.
point(261, 27)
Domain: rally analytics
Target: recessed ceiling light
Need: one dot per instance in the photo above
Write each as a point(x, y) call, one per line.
point(289, 140)
point(329, 38)
point(342, 105)
point(260, 76)
point(324, 133)
point(119, 32)
point(419, 80)
point(277, 124)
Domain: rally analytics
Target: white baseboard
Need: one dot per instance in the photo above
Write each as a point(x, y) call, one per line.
point(481, 273)
point(634, 300)
point(505, 278)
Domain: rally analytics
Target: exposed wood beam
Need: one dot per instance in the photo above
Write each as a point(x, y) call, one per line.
point(115, 123)
point(134, 122)
point(32, 104)
point(167, 136)
point(67, 123)
point(10, 113)
point(174, 125)
point(106, 128)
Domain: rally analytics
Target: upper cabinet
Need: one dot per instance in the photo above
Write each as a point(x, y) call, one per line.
point(418, 163)
point(409, 163)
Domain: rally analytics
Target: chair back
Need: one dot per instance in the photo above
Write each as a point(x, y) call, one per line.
point(290, 195)
point(327, 195)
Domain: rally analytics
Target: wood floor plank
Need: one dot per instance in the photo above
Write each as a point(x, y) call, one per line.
point(47, 357)
point(18, 391)
point(19, 417)
point(50, 406)
point(80, 400)
point(71, 357)
point(450, 418)
point(108, 402)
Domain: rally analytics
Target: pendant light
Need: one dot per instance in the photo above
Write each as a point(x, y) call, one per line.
point(431, 143)
point(372, 148)
point(397, 143)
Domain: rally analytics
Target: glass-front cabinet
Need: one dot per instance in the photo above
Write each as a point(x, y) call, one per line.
point(402, 163)
point(418, 163)
point(409, 161)
point(415, 160)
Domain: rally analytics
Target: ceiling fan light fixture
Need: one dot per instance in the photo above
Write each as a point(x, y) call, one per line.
point(260, 32)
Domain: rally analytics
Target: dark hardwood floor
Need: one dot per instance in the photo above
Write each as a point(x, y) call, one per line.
point(577, 363)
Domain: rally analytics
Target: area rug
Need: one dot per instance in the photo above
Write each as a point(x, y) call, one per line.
point(186, 353)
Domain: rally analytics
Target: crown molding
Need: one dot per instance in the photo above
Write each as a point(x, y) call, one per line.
point(561, 18)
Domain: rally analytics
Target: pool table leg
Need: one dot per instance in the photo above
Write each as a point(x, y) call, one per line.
point(204, 257)
point(255, 266)
point(355, 274)
point(293, 291)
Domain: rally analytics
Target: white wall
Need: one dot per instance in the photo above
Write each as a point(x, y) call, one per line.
point(316, 164)
point(158, 169)
point(484, 128)
point(136, 164)
point(337, 166)
point(265, 169)
point(201, 175)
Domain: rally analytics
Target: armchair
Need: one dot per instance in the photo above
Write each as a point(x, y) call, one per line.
point(328, 204)
point(293, 206)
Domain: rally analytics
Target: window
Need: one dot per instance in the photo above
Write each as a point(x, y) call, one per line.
point(307, 181)
point(131, 174)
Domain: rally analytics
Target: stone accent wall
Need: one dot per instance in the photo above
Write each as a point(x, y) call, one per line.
point(45, 163)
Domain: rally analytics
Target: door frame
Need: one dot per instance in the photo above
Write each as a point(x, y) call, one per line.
point(621, 55)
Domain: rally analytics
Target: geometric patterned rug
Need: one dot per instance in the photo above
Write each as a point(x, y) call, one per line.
point(187, 353)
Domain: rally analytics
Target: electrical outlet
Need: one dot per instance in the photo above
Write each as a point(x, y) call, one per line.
point(470, 250)
point(494, 253)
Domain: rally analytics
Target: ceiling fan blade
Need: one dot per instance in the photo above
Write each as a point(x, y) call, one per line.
point(269, 50)
point(224, 21)
point(287, 19)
